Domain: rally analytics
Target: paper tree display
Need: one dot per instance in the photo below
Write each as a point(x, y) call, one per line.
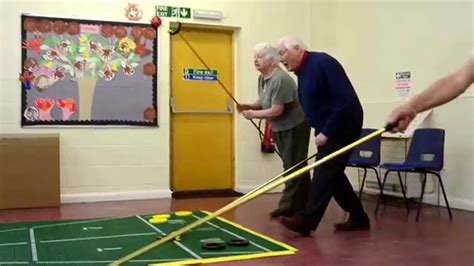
point(83, 72)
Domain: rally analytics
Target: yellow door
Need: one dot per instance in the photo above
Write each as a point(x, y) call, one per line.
point(201, 111)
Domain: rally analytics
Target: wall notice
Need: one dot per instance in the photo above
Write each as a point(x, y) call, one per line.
point(403, 84)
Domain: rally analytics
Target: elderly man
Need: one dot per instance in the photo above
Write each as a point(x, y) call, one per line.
point(278, 103)
point(333, 109)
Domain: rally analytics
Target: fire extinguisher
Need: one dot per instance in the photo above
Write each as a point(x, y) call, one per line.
point(267, 145)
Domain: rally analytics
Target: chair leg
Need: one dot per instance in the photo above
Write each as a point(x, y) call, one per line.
point(403, 192)
point(383, 185)
point(380, 185)
point(423, 185)
point(444, 195)
point(363, 181)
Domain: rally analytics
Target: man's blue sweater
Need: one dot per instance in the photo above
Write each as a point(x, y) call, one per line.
point(327, 96)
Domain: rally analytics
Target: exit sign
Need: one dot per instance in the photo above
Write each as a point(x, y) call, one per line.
point(173, 12)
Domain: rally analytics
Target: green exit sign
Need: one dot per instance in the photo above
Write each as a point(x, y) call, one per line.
point(199, 71)
point(173, 12)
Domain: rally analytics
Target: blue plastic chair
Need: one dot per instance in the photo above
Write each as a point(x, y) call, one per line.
point(367, 156)
point(425, 156)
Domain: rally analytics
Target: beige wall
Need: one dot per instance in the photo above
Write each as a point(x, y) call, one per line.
point(112, 163)
point(375, 39)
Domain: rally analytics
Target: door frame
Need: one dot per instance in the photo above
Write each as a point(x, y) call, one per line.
point(234, 32)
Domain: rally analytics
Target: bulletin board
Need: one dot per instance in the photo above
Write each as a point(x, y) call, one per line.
point(88, 72)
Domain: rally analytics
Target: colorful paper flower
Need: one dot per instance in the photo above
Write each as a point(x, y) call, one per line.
point(107, 74)
point(31, 113)
point(106, 54)
point(126, 46)
point(51, 54)
point(31, 64)
point(129, 68)
point(149, 33)
point(44, 26)
point(34, 45)
point(120, 32)
point(30, 25)
point(136, 33)
point(107, 30)
point(73, 28)
point(49, 64)
point(64, 46)
point(68, 106)
point(149, 69)
point(44, 105)
point(59, 27)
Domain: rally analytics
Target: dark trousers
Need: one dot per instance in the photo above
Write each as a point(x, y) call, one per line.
point(329, 180)
point(293, 147)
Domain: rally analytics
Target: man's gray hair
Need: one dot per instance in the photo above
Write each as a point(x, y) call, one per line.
point(290, 42)
point(269, 51)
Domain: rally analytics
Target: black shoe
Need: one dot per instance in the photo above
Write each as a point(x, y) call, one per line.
point(281, 213)
point(295, 224)
point(353, 224)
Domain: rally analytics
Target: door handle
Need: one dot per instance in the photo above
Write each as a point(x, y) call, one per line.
point(229, 109)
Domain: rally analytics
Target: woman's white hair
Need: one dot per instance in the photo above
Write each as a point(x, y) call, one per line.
point(290, 42)
point(268, 51)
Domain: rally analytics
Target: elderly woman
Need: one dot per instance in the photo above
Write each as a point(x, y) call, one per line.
point(278, 103)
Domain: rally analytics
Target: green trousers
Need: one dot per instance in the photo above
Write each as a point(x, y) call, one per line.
point(293, 147)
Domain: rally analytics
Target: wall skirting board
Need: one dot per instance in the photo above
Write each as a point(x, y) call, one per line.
point(115, 196)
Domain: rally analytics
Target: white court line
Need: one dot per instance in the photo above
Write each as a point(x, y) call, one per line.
point(108, 249)
point(174, 241)
point(11, 230)
point(100, 261)
point(12, 262)
point(188, 250)
point(14, 244)
point(34, 254)
point(205, 229)
point(229, 253)
point(234, 234)
point(97, 237)
point(150, 225)
point(78, 222)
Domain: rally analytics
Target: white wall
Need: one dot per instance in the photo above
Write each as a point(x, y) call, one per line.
point(375, 39)
point(111, 163)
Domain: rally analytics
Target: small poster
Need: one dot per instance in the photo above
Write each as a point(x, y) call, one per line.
point(403, 84)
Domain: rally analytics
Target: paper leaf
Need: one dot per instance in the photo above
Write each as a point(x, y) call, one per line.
point(44, 47)
point(69, 69)
point(115, 67)
point(49, 42)
point(135, 58)
point(72, 48)
point(64, 58)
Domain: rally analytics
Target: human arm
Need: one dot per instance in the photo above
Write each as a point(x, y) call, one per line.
point(249, 106)
point(440, 92)
point(269, 113)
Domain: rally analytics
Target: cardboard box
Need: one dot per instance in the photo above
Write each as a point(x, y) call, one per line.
point(29, 170)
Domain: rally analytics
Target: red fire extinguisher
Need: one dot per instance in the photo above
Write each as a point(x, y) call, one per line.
point(267, 145)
